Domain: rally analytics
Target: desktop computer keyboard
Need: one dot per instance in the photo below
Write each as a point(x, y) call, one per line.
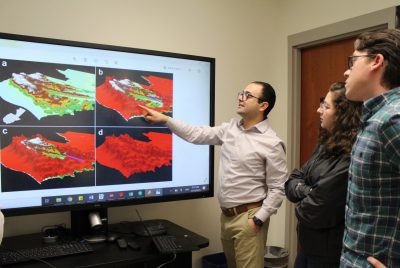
point(45, 252)
point(167, 244)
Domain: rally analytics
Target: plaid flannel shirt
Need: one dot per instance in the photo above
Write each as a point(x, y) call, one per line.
point(373, 198)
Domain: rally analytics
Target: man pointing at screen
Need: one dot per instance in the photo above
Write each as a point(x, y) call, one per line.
point(252, 171)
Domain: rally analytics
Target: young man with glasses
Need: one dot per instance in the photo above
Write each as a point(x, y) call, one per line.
point(252, 172)
point(373, 204)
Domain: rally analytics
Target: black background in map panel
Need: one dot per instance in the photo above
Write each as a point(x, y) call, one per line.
point(12, 180)
point(85, 118)
point(109, 117)
point(30, 67)
point(108, 176)
point(133, 75)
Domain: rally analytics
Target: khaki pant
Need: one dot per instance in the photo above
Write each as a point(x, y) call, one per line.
point(243, 247)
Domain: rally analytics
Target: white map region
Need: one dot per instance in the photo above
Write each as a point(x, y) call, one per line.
point(11, 118)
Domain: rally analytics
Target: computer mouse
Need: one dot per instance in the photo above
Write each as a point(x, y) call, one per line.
point(112, 237)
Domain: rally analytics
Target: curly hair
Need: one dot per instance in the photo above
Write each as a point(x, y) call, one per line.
point(346, 122)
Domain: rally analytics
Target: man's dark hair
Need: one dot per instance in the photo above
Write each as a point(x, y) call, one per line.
point(267, 95)
point(387, 43)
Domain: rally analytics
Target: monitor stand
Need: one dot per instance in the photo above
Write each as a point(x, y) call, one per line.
point(90, 225)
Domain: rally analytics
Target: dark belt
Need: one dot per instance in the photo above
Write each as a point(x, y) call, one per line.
point(229, 212)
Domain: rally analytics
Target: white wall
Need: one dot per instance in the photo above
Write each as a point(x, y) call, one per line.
point(247, 38)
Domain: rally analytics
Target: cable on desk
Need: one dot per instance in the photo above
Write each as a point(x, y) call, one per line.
point(168, 262)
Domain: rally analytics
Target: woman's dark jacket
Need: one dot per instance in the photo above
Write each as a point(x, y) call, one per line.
point(319, 188)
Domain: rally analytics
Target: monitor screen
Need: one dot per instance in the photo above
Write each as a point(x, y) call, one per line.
point(72, 135)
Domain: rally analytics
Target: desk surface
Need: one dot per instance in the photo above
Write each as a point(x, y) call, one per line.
point(108, 254)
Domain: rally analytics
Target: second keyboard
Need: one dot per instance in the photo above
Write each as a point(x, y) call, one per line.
point(45, 252)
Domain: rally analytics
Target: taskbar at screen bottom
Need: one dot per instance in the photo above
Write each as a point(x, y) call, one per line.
point(120, 195)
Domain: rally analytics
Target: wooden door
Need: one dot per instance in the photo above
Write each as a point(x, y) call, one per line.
point(321, 66)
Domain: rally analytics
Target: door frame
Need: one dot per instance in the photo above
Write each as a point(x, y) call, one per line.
point(382, 19)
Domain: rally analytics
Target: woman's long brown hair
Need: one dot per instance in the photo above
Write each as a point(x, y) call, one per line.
point(346, 123)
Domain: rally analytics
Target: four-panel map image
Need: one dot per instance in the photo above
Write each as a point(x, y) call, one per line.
point(64, 125)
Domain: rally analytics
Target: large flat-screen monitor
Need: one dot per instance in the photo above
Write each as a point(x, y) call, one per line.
point(72, 135)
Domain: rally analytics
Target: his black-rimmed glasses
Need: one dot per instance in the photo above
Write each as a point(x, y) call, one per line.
point(352, 59)
point(244, 95)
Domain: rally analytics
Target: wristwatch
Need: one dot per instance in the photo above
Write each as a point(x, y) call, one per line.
point(257, 221)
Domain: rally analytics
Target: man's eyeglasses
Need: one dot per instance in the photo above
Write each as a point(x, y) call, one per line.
point(352, 59)
point(244, 95)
